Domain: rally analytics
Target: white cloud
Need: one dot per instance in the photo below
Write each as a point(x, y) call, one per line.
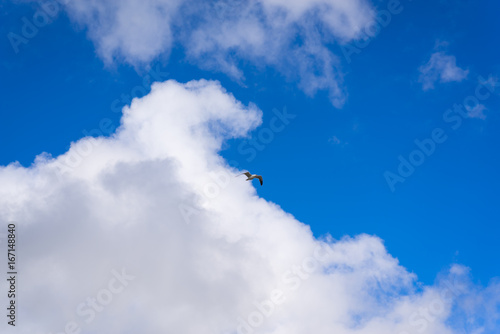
point(335, 140)
point(129, 30)
point(477, 111)
point(200, 260)
point(289, 36)
point(338, 142)
point(440, 68)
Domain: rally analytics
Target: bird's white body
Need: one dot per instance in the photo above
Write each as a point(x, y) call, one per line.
point(250, 177)
point(253, 176)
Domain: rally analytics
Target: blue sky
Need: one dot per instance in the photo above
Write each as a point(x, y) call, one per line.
point(327, 166)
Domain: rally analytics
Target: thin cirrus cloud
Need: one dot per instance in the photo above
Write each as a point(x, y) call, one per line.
point(289, 36)
point(337, 141)
point(477, 111)
point(441, 68)
point(125, 234)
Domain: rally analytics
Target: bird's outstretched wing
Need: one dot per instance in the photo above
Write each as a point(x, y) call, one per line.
point(260, 179)
point(246, 173)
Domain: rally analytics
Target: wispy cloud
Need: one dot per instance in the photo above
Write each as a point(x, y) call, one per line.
point(288, 36)
point(337, 142)
point(477, 111)
point(442, 68)
point(334, 140)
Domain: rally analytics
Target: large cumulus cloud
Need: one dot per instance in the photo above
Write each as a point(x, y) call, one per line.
point(122, 235)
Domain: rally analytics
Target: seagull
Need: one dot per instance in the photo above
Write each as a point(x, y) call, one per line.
point(252, 176)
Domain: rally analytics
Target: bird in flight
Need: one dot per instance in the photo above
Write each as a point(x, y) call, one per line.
point(252, 176)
